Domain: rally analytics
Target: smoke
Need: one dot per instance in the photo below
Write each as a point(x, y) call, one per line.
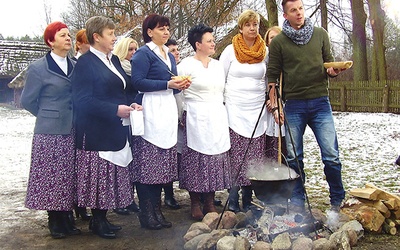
point(332, 220)
point(269, 170)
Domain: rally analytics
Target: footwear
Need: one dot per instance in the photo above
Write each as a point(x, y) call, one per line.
point(98, 224)
point(247, 194)
point(217, 202)
point(233, 200)
point(159, 216)
point(147, 218)
point(196, 212)
point(335, 208)
point(69, 223)
point(121, 211)
point(57, 230)
point(133, 207)
point(171, 203)
point(209, 203)
point(81, 212)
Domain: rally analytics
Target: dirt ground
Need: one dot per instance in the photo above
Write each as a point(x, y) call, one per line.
point(27, 229)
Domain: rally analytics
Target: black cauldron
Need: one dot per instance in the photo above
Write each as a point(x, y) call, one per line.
point(275, 190)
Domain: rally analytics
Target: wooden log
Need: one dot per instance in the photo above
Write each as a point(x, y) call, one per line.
point(370, 218)
point(388, 229)
point(383, 195)
point(378, 205)
point(390, 203)
point(396, 214)
point(366, 193)
point(390, 222)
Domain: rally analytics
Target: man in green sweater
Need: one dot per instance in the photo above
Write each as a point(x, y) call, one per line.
point(299, 53)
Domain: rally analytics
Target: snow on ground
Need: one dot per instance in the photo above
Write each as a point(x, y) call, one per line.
point(369, 143)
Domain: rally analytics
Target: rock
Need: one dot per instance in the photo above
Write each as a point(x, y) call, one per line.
point(229, 220)
point(212, 238)
point(262, 245)
point(318, 215)
point(282, 242)
point(302, 243)
point(341, 240)
point(199, 226)
point(355, 226)
point(242, 220)
point(226, 243)
point(192, 244)
point(323, 244)
point(193, 233)
point(241, 243)
point(211, 220)
point(353, 238)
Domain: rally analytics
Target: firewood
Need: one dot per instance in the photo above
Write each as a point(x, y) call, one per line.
point(390, 222)
point(388, 229)
point(391, 203)
point(366, 193)
point(396, 214)
point(383, 195)
point(378, 205)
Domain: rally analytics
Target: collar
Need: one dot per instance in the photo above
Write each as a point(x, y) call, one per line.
point(101, 55)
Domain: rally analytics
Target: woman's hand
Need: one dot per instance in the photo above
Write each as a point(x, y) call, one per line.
point(332, 72)
point(180, 84)
point(124, 111)
point(279, 119)
point(136, 106)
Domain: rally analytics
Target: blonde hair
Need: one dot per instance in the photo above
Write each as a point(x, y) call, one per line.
point(122, 47)
point(277, 29)
point(246, 16)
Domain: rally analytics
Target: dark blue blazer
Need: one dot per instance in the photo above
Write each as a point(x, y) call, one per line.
point(149, 72)
point(96, 93)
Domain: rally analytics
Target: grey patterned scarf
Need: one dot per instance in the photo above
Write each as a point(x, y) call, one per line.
point(301, 36)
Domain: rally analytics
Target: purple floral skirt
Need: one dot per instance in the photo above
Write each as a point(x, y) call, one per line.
point(52, 177)
point(102, 184)
point(203, 173)
point(239, 165)
point(151, 164)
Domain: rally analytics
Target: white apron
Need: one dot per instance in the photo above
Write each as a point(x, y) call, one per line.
point(160, 115)
point(210, 121)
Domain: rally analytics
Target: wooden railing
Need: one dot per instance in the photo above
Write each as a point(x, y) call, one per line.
point(366, 96)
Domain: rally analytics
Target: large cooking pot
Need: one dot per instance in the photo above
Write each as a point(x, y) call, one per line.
point(277, 187)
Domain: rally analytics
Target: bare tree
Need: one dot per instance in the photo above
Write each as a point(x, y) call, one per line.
point(272, 9)
point(377, 16)
point(359, 40)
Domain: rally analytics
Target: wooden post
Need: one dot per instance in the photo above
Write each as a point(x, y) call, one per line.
point(343, 98)
point(385, 99)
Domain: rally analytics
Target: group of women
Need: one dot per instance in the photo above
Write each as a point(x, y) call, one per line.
point(83, 152)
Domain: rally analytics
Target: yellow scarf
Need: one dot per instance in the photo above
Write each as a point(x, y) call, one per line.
point(244, 54)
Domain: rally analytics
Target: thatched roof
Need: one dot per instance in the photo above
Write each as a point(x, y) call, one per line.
point(18, 82)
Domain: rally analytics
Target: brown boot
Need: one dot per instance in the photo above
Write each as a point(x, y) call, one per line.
point(195, 206)
point(209, 203)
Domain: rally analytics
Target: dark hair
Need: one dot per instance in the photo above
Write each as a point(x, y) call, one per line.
point(171, 42)
point(196, 33)
point(284, 2)
point(152, 21)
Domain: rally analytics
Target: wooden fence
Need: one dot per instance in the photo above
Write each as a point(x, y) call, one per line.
point(365, 96)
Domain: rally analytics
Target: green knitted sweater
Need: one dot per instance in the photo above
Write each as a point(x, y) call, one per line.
point(304, 75)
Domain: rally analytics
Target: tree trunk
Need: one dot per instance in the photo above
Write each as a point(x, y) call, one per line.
point(359, 37)
point(377, 16)
point(272, 10)
point(324, 14)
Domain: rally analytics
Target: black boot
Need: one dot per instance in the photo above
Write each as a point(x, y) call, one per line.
point(133, 207)
point(69, 223)
point(98, 224)
point(159, 216)
point(169, 199)
point(55, 225)
point(81, 212)
point(147, 218)
point(247, 193)
point(234, 199)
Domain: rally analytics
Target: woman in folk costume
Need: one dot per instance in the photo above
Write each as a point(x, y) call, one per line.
point(47, 95)
point(102, 97)
point(205, 162)
point(155, 152)
point(245, 67)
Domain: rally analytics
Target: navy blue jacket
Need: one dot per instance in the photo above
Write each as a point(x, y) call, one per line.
point(97, 92)
point(149, 72)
